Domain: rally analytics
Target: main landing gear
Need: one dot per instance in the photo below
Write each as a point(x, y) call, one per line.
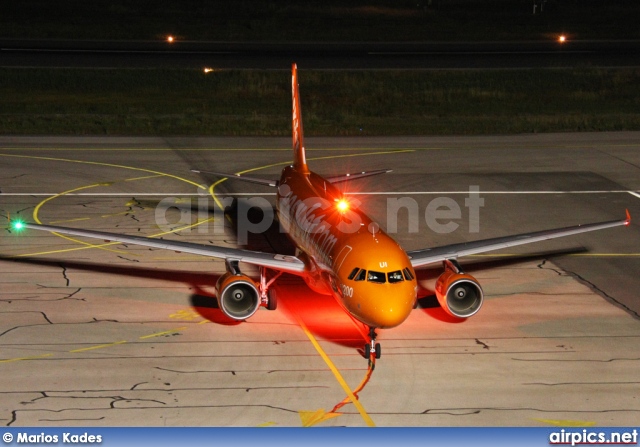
point(268, 296)
point(372, 350)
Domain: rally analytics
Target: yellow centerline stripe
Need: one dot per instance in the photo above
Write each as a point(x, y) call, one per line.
point(338, 376)
point(107, 345)
point(158, 334)
point(26, 358)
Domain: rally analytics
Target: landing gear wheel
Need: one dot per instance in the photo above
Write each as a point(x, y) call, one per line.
point(367, 351)
point(378, 350)
point(272, 304)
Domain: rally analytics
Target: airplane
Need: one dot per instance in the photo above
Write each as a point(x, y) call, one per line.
point(340, 251)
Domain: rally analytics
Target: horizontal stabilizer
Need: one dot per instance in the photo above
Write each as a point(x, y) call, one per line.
point(349, 177)
point(260, 181)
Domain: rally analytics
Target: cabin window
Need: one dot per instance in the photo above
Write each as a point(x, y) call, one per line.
point(395, 276)
point(378, 277)
point(362, 275)
point(353, 273)
point(407, 274)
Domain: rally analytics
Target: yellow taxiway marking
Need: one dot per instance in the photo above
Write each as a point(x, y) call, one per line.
point(91, 348)
point(143, 178)
point(338, 376)
point(26, 358)
point(159, 334)
point(311, 418)
point(96, 163)
point(566, 423)
point(100, 246)
point(36, 210)
point(69, 220)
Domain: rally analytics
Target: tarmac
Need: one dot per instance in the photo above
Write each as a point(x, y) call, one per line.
point(100, 334)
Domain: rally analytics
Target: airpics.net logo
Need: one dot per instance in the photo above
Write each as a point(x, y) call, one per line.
point(591, 437)
point(255, 215)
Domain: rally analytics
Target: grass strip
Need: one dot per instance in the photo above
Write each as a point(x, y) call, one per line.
point(254, 102)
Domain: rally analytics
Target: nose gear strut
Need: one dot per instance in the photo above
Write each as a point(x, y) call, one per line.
point(372, 350)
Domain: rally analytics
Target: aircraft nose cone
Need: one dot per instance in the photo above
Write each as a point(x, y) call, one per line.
point(389, 309)
point(392, 316)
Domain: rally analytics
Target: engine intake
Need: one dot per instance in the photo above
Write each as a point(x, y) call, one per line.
point(459, 294)
point(238, 296)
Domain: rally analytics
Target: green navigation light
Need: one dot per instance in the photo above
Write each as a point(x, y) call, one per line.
point(17, 225)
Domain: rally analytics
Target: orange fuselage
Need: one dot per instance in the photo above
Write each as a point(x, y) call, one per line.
point(346, 253)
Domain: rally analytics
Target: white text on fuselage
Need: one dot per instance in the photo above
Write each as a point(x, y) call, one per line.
point(313, 230)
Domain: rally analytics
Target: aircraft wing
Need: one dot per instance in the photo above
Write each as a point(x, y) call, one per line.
point(260, 181)
point(289, 264)
point(427, 256)
point(348, 177)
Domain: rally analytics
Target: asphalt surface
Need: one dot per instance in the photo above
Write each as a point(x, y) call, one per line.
point(340, 55)
point(123, 335)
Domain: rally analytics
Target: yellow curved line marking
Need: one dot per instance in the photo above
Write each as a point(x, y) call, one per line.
point(158, 334)
point(88, 245)
point(36, 210)
point(143, 178)
point(70, 220)
point(107, 345)
point(111, 165)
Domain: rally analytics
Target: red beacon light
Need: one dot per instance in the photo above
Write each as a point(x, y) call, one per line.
point(342, 205)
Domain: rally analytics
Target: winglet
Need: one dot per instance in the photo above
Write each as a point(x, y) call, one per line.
point(628, 221)
point(299, 158)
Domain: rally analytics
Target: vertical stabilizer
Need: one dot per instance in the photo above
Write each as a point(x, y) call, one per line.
point(299, 158)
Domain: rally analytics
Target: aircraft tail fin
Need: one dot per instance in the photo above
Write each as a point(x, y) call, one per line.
point(299, 158)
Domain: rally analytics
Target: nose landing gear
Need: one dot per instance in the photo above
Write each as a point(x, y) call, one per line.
point(372, 350)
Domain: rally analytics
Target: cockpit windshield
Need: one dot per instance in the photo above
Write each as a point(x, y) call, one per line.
point(358, 274)
point(395, 276)
point(376, 277)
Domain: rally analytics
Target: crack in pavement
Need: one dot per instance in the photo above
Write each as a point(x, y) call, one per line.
point(64, 273)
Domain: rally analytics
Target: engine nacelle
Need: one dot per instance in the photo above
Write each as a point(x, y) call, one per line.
point(459, 294)
point(238, 296)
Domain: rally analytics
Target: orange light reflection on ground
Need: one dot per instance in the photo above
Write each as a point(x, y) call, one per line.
point(322, 315)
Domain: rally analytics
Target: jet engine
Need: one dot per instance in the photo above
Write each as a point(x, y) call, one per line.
point(459, 294)
point(238, 296)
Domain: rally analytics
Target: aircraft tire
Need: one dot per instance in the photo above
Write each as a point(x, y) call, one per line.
point(273, 300)
point(378, 350)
